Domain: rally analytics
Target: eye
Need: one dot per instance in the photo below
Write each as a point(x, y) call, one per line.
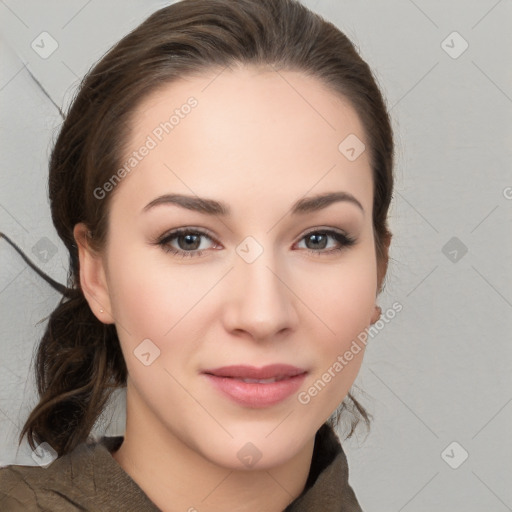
point(318, 239)
point(189, 242)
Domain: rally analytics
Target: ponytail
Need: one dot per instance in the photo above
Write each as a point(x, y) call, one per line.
point(78, 365)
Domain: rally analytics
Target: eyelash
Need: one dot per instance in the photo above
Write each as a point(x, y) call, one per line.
point(345, 241)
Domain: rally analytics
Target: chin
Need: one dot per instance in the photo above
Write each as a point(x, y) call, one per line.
point(254, 449)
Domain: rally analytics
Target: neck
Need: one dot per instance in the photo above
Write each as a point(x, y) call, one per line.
point(177, 478)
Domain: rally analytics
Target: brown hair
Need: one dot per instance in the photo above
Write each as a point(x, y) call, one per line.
point(79, 361)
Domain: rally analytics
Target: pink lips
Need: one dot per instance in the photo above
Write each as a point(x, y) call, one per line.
point(229, 380)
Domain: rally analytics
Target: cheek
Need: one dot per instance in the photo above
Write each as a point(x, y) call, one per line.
point(154, 299)
point(344, 302)
point(148, 295)
point(342, 298)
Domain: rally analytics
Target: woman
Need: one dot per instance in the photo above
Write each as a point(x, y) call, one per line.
point(222, 182)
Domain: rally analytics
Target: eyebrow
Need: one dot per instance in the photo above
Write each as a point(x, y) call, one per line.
point(212, 207)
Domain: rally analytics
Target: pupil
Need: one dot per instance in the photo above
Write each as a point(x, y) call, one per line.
point(316, 236)
point(188, 238)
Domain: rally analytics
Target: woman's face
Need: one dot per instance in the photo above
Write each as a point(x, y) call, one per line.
point(261, 283)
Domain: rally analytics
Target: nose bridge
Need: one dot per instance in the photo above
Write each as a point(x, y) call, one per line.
point(261, 304)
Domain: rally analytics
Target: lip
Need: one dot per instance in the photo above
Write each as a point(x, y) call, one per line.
point(251, 372)
point(228, 380)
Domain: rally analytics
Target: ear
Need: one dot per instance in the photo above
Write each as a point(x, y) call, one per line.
point(92, 275)
point(376, 314)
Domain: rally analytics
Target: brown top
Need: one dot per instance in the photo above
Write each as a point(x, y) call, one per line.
point(90, 479)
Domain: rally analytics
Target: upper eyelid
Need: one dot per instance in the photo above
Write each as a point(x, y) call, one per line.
point(200, 231)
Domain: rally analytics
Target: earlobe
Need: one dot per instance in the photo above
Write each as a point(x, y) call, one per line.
point(92, 275)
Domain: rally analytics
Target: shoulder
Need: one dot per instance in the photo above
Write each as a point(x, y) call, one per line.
point(68, 483)
point(13, 492)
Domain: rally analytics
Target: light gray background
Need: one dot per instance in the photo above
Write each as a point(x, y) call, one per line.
point(439, 372)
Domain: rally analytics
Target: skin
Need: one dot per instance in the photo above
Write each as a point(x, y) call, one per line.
point(258, 140)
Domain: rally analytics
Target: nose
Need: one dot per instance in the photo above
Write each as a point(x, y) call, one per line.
point(260, 301)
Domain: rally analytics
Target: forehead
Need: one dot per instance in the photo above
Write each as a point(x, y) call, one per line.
point(253, 131)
